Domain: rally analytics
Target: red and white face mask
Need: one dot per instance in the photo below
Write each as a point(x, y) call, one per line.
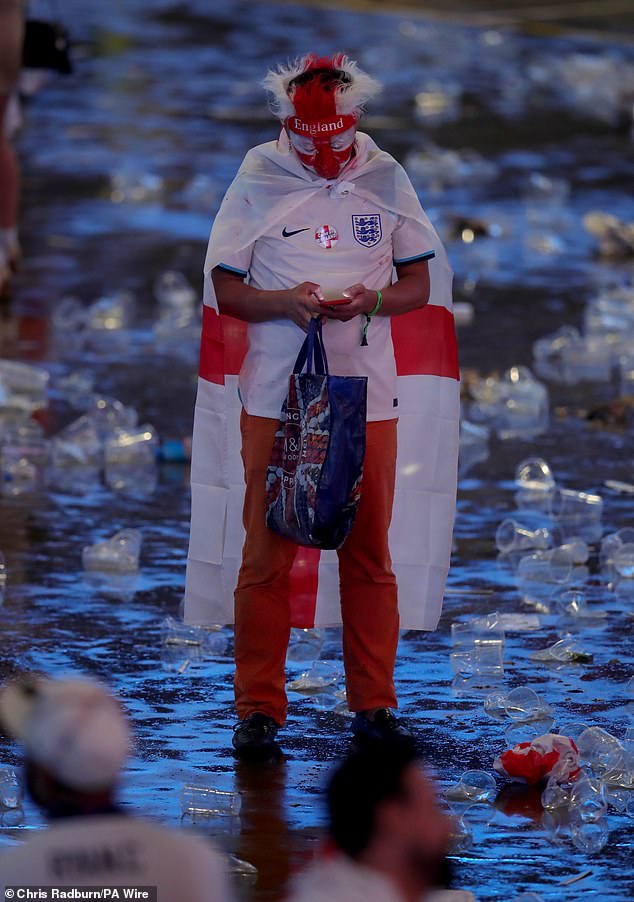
point(325, 146)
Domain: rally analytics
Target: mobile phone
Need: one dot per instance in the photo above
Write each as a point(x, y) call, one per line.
point(334, 302)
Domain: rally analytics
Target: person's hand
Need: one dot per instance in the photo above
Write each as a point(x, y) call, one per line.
point(362, 301)
point(303, 304)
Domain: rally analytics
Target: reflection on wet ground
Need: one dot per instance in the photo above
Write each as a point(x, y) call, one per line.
point(124, 166)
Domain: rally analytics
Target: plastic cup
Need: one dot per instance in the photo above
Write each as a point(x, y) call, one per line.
point(572, 504)
point(512, 536)
point(10, 789)
point(577, 548)
point(473, 786)
point(555, 795)
point(476, 630)
point(588, 799)
point(207, 802)
point(554, 566)
point(590, 837)
point(624, 560)
point(524, 703)
point(482, 659)
point(534, 475)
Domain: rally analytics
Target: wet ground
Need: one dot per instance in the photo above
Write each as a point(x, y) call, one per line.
point(109, 155)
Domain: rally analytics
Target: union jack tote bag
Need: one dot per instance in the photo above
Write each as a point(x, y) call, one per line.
point(313, 481)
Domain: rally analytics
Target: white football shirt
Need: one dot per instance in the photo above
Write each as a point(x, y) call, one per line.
point(333, 239)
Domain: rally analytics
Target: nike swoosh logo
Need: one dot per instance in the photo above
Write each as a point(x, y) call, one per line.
point(286, 234)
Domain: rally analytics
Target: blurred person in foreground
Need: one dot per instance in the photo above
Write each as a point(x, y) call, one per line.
point(322, 215)
point(76, 740)
point(11, 38)
point(388, 835)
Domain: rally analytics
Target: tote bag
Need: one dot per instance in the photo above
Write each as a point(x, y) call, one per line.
point(313, 482)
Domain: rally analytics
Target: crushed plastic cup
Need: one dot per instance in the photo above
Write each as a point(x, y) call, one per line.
point(513, 536)
point(588, 798)
point(566, 650)
point(24, 378)
point(572, 504)
point(175, 632)
point(473, 786)
point(533, 474)
point(23, 460)
point(119, 554)
point(577, 548)
point(520, 704)
point(78, 444)
point(461, 835)
point(111, 313)
point(209, 639)
point(320, 675)
point(305, 644)
point(527, 731)
point(137, 481)
point(109, 414)
point(624, 560)
point(553, 566)
point(588, 358)
point(485, 659)
point(77, 388)
point(477, 629)
point(606, 755)
point(555, 795)
point(238, 867)
point(590, 836)
point(10, 788)
point(136, 447)
point(204, 801)
point(516, 406)
point(69, 319)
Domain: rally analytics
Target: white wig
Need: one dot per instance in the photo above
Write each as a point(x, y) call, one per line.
point(350, 97)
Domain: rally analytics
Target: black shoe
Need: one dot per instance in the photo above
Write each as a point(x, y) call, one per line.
point(385, 727)
point(254, 737)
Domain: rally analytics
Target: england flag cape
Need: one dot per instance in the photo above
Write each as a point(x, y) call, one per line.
point(270, 184)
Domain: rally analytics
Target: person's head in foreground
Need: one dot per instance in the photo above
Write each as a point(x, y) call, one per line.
point(320, 100)
point(75, 739)
point(384, 813)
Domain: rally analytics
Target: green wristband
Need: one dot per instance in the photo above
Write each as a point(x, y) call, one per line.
point(377, 306)
point(368, 318)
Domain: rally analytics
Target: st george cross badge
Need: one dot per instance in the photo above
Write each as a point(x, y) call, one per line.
point(367, 229)
point(327, 236)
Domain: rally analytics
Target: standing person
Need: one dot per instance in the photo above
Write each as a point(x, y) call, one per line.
point(11, 37)
point(389, 837)
point(322, 213)
point(76, 741)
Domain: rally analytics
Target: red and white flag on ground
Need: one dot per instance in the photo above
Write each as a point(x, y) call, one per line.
point(429, 403)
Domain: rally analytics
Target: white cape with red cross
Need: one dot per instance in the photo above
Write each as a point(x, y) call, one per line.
point(269, 185)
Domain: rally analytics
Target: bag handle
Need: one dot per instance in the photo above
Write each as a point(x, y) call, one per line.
point(311, 350)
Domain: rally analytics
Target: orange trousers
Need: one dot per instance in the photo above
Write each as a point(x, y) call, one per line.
point(367, 585)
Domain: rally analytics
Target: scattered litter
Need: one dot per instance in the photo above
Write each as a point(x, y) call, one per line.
point(208, 802)
point(566, 650)
point(119, 554)
point(546, 756)
point(473, 786)
point(521, 704)
point(10, 788)
point(320, 675)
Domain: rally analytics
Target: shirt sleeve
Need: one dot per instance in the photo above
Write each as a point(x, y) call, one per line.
point(409, 243)
point(238, 262)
